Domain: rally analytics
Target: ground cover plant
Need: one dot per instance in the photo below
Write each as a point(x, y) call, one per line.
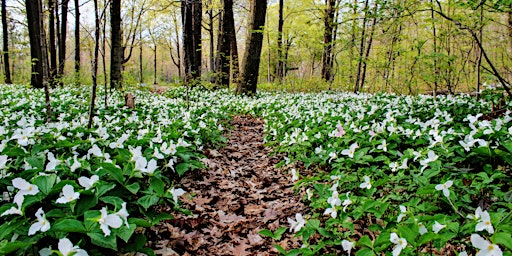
point(381, 173)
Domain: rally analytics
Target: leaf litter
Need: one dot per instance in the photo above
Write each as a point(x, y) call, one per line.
point(239, 193)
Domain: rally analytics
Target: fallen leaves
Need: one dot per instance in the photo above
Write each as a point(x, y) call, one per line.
point(237, 195)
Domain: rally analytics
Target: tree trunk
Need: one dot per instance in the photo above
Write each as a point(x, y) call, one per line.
point(327, 62)
point(368, 47)
point(5, 33)
point(361, 48)
point(36, 52)
point(250, 70)
point(77, 41)
point(213, 68)
point(280, 62)
point(62, 38)
point(154, 65)
point(230, 30)
point(224, 44)
point(192, 15)
point(141, 71)
point(116, 53)
point(434, 34)
point(95, 62)
point(51, 42)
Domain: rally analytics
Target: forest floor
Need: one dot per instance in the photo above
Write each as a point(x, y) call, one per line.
point(239, 193)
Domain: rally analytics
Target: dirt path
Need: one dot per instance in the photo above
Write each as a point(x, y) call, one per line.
point(240, 193)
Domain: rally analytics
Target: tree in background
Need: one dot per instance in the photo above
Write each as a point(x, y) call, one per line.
point(252, 56)
point(36, 32)
point(5, 34)
point(191, 12)
point(62, 39)
point(327, 62)
point(116, 51)
point(77, 41)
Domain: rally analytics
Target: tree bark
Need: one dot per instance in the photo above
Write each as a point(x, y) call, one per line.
point(62, 38)
point(95, 62)
point(280, 62)
point(368, 47)
point(250, 70)
point(361, 48)
point(223, 63)
point(77, 41)
point(51, 42)
point(36, 52)
point(5, 33)
point(327, 62)
point(116, 53)
point(191, 18)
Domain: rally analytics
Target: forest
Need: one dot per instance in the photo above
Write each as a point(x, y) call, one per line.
point(255, 127)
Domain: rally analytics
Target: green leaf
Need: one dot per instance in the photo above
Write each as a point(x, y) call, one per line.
point(157, 185)
point(113, 200)
point(36, 162)
point(9, 227)
point(504, 239)
point(182, 168)
point(365, 252)
point(114, 171)
point(507, 145)
point(426, 238)
point(136, 243)
point(9, 247)
point(45, 183)
point(162, 217)
point(266, 232)
point(133, 188)
point(85, 203)
point(100, 239)
point(365, 241)
point(408, 234)
point(103, 188)
point(68, 225)
point(140, 222)
point(279, 232)
point(148, 201)
point(126, 233)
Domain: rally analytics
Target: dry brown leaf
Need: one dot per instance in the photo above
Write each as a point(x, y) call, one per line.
point(240, 250)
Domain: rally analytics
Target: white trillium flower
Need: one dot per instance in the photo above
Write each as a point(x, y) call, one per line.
point(66, 248)
point(68, 195)
point(484, 222)
point(350, 151)
point(366, 184)
point(24, 187)
point(347, 246)
point(295, 175)
point(463, 253)
point(296, 224)
point(144, 166)
point(95, 151)
point(400, 243)
point(437, 227)
point(42, 223)
point(123, 214)
point(422, 228)
point(431, 157)
point(109, 220)
point(445, 188)
point(76, 164)
point(485, 247)
point(3, 161)
point(52, 162)
point(309, 193)
point(402, 214)
point(176, 193)
point(346, 202)
point(87, 183)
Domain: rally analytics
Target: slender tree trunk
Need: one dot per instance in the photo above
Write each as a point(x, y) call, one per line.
point(368, 47)
point(213, 68)
point(327, 62)
point(62, 38)
point(5, 33)
point(192, 15)
point(230, 23)
point(34, 30)
point(479, 56)
point(51, 42)
point(250, 71)
point(141, 72)
point(154, 65)
point(434, 34)
point(95, 62)
point(361, 48)
point(44, 63)
point(77, 41)
point(280, 62)
point(116, 54)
